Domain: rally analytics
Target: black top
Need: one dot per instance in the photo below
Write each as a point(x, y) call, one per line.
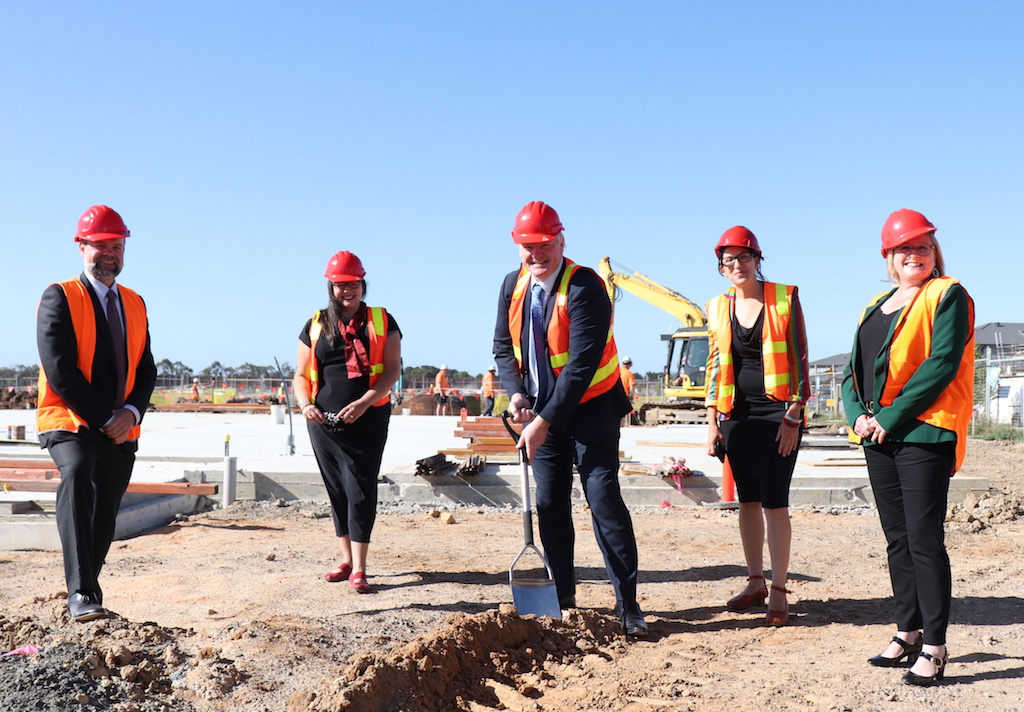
point(336, 389)
point(748, 367)
point(870, 340)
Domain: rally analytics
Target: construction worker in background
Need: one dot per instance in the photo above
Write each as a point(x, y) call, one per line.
point(441, 391)
point(628, 385)
point(487, 390)
point(96, 378)
point(557, 360)
point(195, 389)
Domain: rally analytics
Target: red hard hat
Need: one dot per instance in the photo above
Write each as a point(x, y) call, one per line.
point(100, 223)
point(738, 236)
point(344, 267)
point(903, 226)
point(536, 222)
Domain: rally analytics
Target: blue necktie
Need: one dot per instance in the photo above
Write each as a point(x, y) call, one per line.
point(539, 340)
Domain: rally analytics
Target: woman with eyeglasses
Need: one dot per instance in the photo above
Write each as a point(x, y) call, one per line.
point(349, 357)
point(908, 392)
point(757, 385)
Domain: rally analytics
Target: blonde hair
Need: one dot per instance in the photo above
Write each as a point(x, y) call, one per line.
point(940, 264)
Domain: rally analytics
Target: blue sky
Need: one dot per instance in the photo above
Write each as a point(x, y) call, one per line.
point(245, 143)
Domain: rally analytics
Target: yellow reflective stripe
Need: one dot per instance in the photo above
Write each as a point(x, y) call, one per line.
point(773, 347)
point(781, 302)
point(559, 360)
point(605, 371)
point(773, 380)
point(377, 314)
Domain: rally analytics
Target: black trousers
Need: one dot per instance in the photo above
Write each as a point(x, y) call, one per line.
point(488, 406)
point(349, 464)
point(598, 466)
point(911, 484)
point(94, 474)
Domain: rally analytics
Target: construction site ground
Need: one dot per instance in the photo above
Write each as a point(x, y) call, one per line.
point(227, 610)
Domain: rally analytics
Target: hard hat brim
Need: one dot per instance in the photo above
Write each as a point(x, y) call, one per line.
point(99, 237)
point(532, 238)
point(905, 239)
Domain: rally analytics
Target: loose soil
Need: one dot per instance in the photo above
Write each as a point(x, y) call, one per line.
point(227, 610)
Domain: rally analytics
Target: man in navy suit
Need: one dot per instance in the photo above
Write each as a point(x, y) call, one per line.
point(95, 381)
point(557, 360)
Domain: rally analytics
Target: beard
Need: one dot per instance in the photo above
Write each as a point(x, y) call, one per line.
point(105, 270)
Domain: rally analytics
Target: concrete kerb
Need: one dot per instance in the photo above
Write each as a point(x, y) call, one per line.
point(177, 446)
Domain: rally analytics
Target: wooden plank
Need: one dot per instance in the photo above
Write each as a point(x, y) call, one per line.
point(28, 464)
point(181, 488)
point(11, 473)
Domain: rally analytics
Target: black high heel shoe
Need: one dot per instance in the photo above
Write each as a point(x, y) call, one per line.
point(910, 653)
point(912, 678)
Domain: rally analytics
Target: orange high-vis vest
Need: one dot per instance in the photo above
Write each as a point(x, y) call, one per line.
point(912, 343)
point(53, 413)
point(785, 371)
point(487, 385)
point(377, 330)
point(607, 375)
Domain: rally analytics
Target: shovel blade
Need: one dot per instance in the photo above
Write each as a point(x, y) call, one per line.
point(536, 597)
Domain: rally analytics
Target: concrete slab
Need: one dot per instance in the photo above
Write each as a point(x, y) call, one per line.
point(192, 446)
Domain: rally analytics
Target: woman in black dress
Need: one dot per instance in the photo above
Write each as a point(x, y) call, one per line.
point(757, 385)
point(349, 357)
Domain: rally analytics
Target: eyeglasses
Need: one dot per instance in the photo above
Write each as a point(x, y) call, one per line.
point(919, 250)
point(729, 260)
point(348, 285)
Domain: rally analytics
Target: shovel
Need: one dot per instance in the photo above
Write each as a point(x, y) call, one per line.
point(536, 596)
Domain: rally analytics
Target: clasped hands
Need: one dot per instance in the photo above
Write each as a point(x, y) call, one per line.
point(868, 429)
point(120, 425)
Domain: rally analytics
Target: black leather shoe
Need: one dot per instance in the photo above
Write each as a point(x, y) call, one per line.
point(909, 655)
point(84, 607)
point(634, 624)
point(567, 602)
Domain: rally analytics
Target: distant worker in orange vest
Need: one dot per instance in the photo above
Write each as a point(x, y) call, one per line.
point(441, 390)
point(487, 391)
point(96, 377)
point(195, 389)
point(628, 384)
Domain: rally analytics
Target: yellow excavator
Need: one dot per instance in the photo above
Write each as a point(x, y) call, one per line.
point(687, 348)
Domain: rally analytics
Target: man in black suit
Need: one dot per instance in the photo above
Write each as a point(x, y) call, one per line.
point(557, 360)
point(95, 381)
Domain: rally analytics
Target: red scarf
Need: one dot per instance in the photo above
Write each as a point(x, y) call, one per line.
point(356, 358)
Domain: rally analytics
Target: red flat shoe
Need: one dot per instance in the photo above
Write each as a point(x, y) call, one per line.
point(777, 618)
point(746, 600)
point(339, 574)
point(358, 582)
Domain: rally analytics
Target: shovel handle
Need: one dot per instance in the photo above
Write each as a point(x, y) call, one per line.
point(515, 436)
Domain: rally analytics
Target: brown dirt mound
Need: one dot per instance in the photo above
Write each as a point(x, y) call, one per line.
point(465, 661)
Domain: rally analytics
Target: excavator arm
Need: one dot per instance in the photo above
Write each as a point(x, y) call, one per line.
point(650, 291)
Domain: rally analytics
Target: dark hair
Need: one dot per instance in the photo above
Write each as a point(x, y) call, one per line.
point(330, 316)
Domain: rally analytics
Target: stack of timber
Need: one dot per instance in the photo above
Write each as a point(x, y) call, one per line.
point(487, 437)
